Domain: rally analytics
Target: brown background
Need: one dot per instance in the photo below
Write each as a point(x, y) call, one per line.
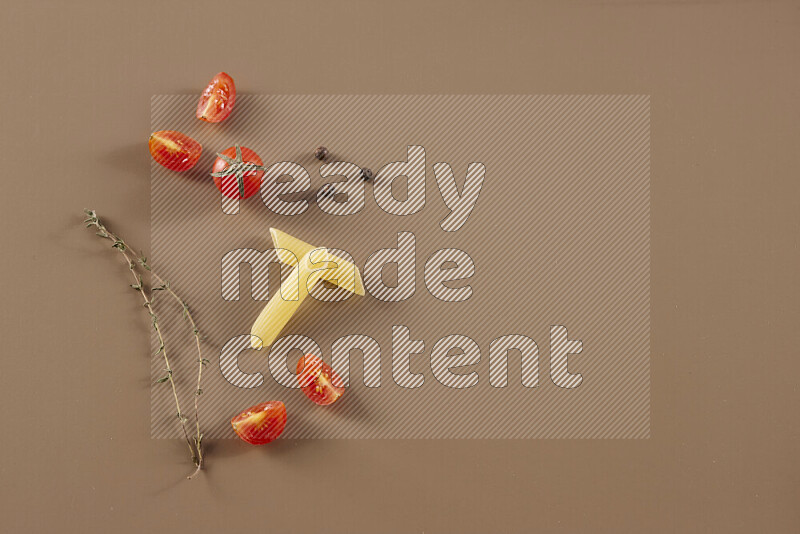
point(75, 401)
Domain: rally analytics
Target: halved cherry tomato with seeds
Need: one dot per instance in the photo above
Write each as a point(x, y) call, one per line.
point(174, 150)
point(318, 381)
point(236, 172)
point(217, 100)
point(261, 423)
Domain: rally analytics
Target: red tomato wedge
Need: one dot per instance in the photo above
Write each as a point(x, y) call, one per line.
point(174, 150)
point(217, 100)
point(235, 172)
point(261, 423)
point(318, 381)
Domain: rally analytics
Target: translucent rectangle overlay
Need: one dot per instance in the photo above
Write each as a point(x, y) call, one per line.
point(547, 198)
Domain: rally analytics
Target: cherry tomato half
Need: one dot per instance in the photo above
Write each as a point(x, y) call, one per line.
point(174, 150)
point(217, 100)
point(261, 423)
point(235, 177)
point(318, 381)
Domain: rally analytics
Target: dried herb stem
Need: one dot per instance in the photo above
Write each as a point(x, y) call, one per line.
point(195, 448)
point(201, 362)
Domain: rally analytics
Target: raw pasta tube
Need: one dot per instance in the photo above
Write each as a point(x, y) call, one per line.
point(311, 265)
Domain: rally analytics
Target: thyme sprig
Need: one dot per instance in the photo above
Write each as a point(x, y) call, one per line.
point(134, 262)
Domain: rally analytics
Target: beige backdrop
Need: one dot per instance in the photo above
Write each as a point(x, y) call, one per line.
point(76, 453)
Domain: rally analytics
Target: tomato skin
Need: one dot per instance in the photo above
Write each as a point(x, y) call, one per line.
point(216, 101)
point(174, 150)
point(229, 185)
point(261, 423)
point(318, 381)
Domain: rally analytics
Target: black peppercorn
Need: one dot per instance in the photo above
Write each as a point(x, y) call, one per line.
point(328, 190)
point(321, 153)
point(366, 174)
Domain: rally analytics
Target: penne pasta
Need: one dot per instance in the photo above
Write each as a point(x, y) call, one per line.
point(311, 265)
